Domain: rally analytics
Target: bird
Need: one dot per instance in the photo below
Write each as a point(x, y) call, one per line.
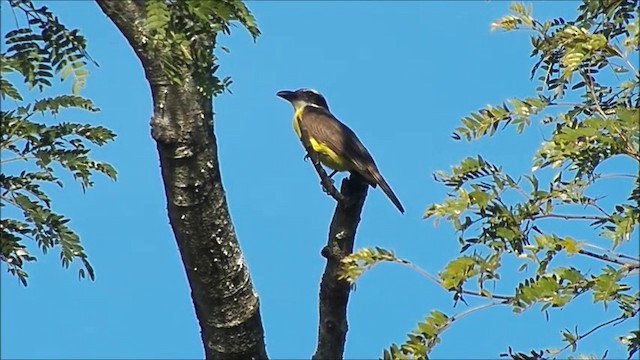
point(337, 146)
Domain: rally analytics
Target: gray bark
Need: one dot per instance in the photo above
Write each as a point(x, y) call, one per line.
point(223, 295)
point(334, 293)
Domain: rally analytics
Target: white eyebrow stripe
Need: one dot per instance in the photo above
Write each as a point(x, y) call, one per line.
point(311, 90)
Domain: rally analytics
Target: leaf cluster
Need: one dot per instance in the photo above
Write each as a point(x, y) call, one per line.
point(421, 340)
point(43, 49)
point(426, 336)
point(182, 35)
point(588, 99)
point(35, 152)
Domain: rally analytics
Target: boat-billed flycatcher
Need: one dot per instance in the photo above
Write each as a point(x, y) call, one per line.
point(338, 146)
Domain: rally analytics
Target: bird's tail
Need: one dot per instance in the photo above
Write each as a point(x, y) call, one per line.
point(386, 188)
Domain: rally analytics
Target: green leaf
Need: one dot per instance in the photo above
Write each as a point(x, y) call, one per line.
point(42, 51)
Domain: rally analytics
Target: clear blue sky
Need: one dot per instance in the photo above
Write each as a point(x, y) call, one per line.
point(401, 74)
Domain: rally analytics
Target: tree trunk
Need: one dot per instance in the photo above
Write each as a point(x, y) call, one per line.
point(225, 301)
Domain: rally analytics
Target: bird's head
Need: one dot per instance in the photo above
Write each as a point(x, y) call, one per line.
point(303, 97)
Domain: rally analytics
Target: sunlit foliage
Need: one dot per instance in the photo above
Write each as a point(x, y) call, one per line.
point(588, 95)
point(182, 35)
point(35, 148)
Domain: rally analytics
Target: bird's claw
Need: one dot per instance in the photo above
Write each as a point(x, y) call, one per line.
point(306, 157)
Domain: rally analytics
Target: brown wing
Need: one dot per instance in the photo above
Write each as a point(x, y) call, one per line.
point(327, 129)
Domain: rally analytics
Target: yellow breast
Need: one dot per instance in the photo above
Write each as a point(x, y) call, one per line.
point(327, 156)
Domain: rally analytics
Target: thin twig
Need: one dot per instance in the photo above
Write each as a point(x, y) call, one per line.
point(599, 208)
point(607, 258)
point(15, 17)
point(462, 314)
point(17, 158)
point(569, 217)
point(630, 150)
point(613, 176)
point(472, 310)
point(565, 104)
point(437, 281)
point(326, 182)
point(624, 58)
point(594, 97)
point(10, 200)
point(619, 319)
point(611, 253)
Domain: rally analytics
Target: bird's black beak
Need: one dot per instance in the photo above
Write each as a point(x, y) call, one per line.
point(286, 94)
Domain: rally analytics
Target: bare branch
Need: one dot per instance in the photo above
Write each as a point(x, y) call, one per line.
point(17, 158)
point(437, 281)
point(630, 149)
point(462, 314)
point(611, 253)
point(619, 53)
point(569, 217)
point(590, 87)
point(614, 321)
point(614, 176)
point(334, 293)
point(608, 259)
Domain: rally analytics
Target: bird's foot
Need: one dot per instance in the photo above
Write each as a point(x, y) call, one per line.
point(306, 157)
